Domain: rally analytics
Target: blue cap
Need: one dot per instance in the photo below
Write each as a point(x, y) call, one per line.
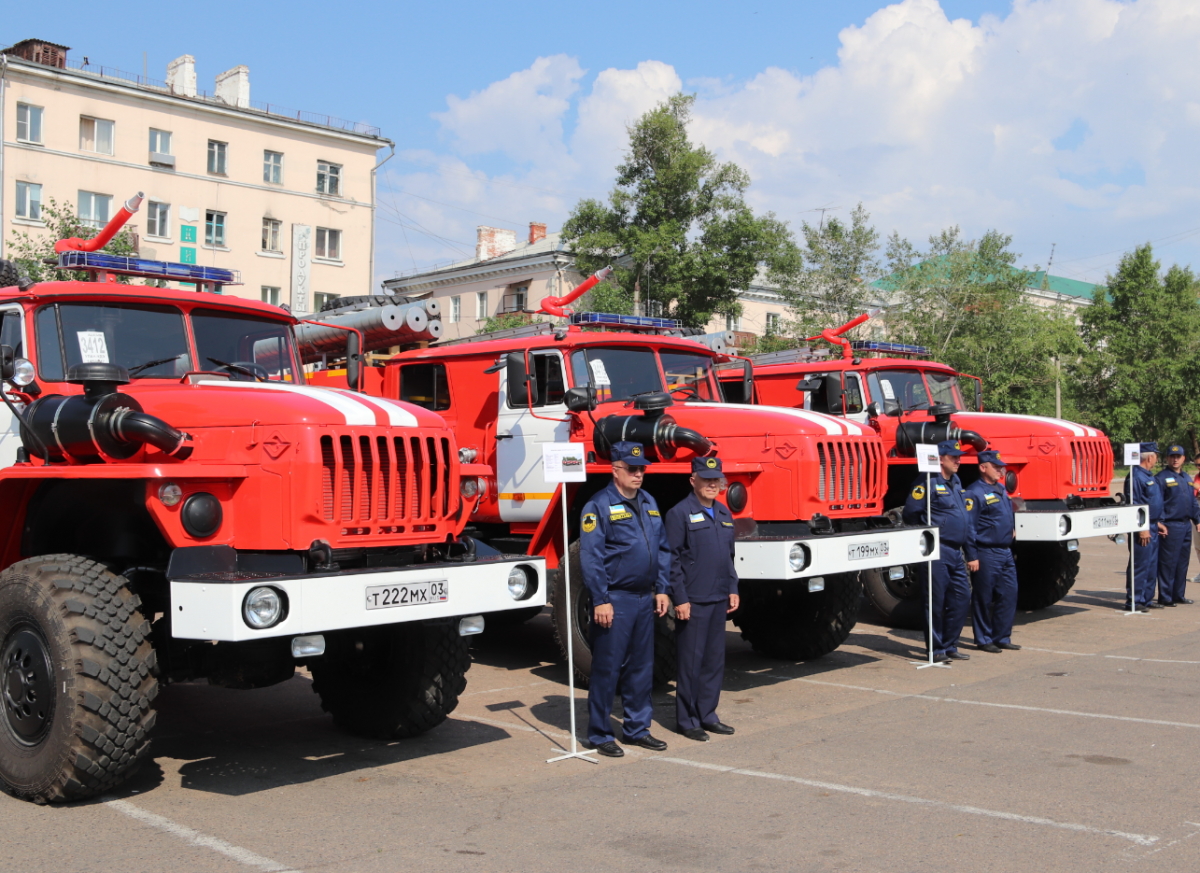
point(707, 468)
point(991, 457)
point(631, 453)
point(1149, 447)
point(1176, 449)
point(953, 448)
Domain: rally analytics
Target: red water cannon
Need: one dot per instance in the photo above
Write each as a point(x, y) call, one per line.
point(833, 335)
point(554, 305)
point(100, 240)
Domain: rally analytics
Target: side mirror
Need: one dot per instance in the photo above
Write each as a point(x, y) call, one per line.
point(522, 389)
point(747, 382)
point(8, 363)
point(892, 408)
point(810, 384)
point(835, 397)
point(581, 399)
point(353, 361)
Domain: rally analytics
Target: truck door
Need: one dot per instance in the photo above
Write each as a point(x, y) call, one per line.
point(12, 333)
point(524, 495)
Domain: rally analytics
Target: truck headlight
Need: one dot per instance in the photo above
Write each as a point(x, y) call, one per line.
point(1064, 525)
point(264, 607)
point(170, 493)
point(522, 582)
point(798, 557)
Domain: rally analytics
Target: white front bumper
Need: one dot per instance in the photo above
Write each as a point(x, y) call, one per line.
point(761, 558)
point(1044, 525)
point(207, 610)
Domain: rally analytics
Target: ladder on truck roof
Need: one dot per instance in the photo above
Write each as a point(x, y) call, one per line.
point(720, 341)
point(806, 355)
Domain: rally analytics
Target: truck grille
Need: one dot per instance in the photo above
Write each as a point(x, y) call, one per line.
point(851, 471)
point(387, 479)
point(1091, 464)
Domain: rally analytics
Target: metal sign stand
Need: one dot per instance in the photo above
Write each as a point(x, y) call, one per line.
point(552, 461)
point(923, 455)
point(1132, 459)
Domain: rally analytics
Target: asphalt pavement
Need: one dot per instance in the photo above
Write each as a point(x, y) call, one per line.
point(1078, 753)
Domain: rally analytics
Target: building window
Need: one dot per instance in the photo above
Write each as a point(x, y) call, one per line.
point(273, 167)
point(29, 201)
point(481, 304)
point(217, 153)
point(158, 219)
point(329, 178)
point(515, 300)
point(733, 322)
point(774, 322)
point(654, 308)
point(95, 135)
point(329, 244)
point(270, 294)
point(214, 228)
point(160, 142)
point(320, 299)
point(455, 309)
point(270, 241)
point(94, 209)
point(29, 123)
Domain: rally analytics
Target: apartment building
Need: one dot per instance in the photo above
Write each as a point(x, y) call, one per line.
point(287, 198)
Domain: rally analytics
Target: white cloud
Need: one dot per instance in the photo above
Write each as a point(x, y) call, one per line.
point(928, 121)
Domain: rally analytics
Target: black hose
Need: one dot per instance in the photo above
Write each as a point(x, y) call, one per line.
point(910, 433)
point(128, 427)
point(685, 437)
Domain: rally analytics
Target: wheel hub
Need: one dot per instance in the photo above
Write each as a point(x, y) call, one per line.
point(28, 686)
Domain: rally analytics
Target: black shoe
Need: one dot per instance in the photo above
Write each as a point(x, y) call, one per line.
point(1142, 609)
point(990, 648)
point(958, 656)
point(717, 727)
point(610, 750)
point(646, 741)
point(1185, 600)
point(940, 659)
point(1012, 647)
point(1161, 603)
point(1153, 605)
point(696, 734)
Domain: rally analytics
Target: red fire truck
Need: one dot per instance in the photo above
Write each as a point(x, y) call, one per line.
point(806, 489)
point(1058, 471)
point(177, 504)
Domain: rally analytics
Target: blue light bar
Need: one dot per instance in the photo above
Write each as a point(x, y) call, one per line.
point(894, 348)
point(635, 322)
point(125, 266)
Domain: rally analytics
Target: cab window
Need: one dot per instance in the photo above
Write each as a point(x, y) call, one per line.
point(10, 332)
point(853, 399)
point(148, 341)
point(547, 375)
point(906, 387)
point(944, 388)
point(688, 375)
point(616, 373)
point(247, 347)
point(425, 385)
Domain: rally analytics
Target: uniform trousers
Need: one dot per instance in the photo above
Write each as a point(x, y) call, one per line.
point(701, 647)
point(1174, 553)
point(622, 660)
point(1145, 568)
point(994, 595)
point(951, 598)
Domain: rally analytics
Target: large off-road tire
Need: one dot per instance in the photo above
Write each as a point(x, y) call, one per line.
point(77, 681)
point(9, 274)
point(392, 682)
point(1045, 573)
point(899, 603)
point(786, 620)
point(572, 619)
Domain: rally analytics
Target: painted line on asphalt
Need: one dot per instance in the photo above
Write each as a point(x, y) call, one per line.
point(204, 841)
point(1112, 657)
point(509, 688)
point(1140, 839)
point(1017, 706)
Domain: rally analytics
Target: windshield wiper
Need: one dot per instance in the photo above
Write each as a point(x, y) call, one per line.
point(695, 395)
point(239, 369)
point(148, 364)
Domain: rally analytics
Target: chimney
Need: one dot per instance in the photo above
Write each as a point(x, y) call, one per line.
point(491, 242)
point(537, 231)
point(181, 76)
point(233, 87)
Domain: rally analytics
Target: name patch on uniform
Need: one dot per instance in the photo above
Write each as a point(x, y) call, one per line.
point(919, 492)
point(1171, 483)
point(696, 516)
point(940, 489)
point(618, 512)
point(991, 498)
point(727, 523)
point(589, 522)
point(653, 512)
point(970, 504)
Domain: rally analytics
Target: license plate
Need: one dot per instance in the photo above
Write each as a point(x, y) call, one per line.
point(407, 594)
point(863, 551)
point(1099, 521)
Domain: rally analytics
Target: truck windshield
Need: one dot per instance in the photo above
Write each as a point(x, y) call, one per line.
point(906, 387)
point(246, 347)
point(148, 341)
point(944, 388)
point(616, 373)
point(688, 375)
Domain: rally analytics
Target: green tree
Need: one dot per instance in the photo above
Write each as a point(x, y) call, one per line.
point(1139, 376)
point(681, 217)
point(503, 322)
point(30, 251)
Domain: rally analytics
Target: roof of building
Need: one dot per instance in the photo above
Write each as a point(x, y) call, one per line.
point(552, 243)
point(1062, 285)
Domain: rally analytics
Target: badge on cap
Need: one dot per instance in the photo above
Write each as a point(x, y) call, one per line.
point(636, 451)
point(712, 463)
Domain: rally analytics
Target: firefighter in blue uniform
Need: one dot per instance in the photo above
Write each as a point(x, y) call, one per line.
point(704, 588)
point(1141, 487)
point(951, 587)
point(994, 585)
point(626, 567)
point(1180, 513)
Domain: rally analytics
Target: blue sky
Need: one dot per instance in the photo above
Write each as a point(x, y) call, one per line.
point(1067, 122)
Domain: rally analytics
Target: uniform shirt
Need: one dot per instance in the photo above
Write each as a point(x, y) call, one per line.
point(1145, 489)
point(991, 514)
point(949, 511)
point(1179, 500)
point(702, 567)
point(623, 545)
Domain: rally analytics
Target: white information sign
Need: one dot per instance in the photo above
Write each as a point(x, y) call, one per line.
point(1133, 454)
point(564, 462)
point(92, 347)
point(927, 459)
point(301, 268)
point(599, 374)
